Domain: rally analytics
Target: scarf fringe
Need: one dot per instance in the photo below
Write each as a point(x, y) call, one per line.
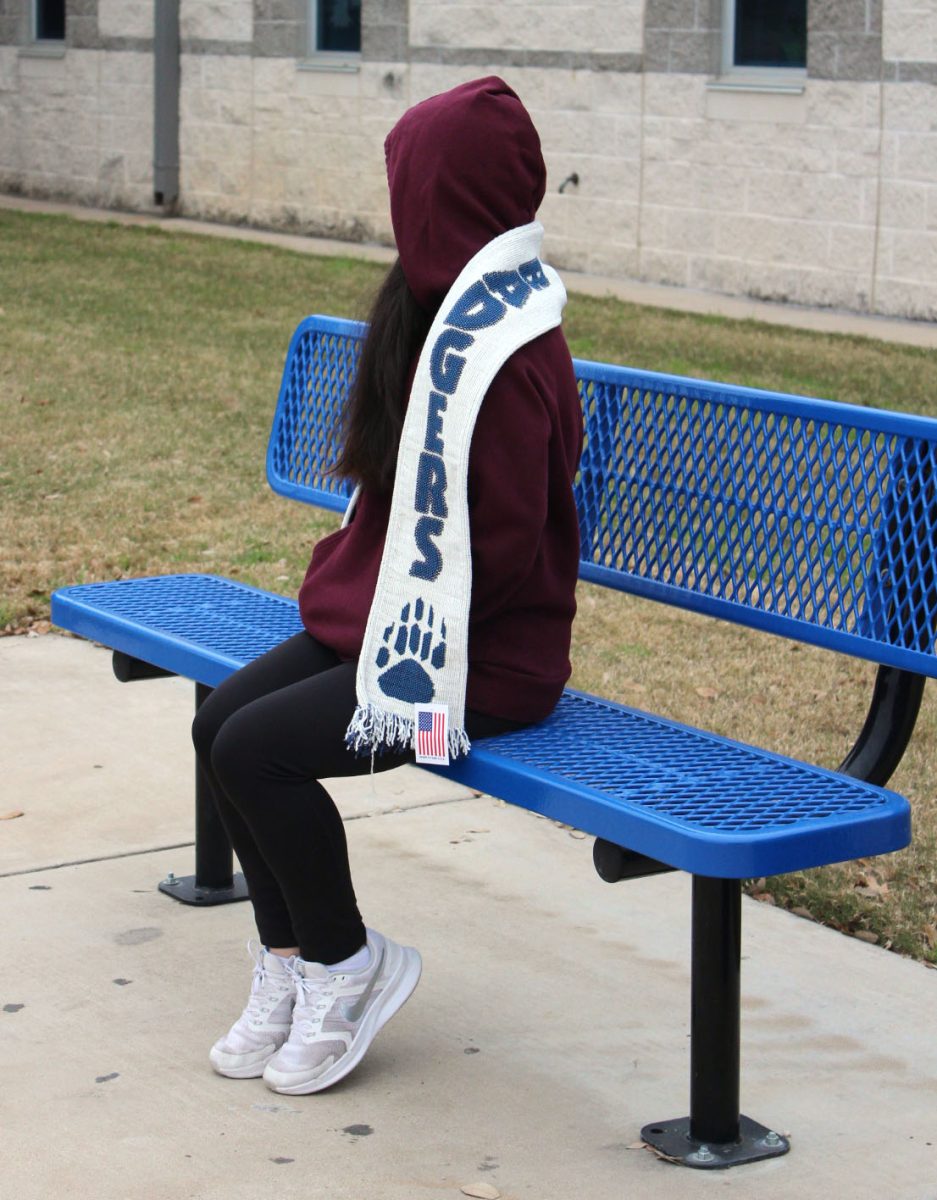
point(459, 743)
point(374, 731)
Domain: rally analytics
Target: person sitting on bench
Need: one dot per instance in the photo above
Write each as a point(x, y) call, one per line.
point(441, 611)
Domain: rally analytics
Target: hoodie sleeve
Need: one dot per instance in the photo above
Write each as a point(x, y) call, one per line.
point(521, 468)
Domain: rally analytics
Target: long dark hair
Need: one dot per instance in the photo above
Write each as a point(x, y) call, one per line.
point(377, 400)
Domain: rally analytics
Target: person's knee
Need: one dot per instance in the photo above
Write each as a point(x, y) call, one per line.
point(212, 714)
point(237, 754)
point(204, 730)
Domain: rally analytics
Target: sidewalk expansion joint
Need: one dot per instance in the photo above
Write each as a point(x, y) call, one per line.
point(83, 862)
point(400, 810)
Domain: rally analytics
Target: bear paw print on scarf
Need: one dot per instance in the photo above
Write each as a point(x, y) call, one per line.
point(412, 648)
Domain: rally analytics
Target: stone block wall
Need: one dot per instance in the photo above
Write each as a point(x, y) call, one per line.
point(124, 19)
point(300, 150)
point(823, 197)
point(217, 21)
point(824, 193)
point(610, 26)
point(765, 195)
point(910, 30)
point(76, 121)
point(907, 260)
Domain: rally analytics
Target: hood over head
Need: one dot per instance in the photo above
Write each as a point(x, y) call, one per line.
point(462, 167)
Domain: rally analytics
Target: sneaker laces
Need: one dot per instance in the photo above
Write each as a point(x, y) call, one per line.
point(267, 987)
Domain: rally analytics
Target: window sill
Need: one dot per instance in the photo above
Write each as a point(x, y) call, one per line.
point(758, 102)
point(792, 82)
point(42, 50)
point(347, 64)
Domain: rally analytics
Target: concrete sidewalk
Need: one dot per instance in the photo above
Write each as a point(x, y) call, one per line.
point(551, 1022)
point(819, 320)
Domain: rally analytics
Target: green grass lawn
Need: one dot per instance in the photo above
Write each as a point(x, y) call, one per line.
point(138, 374)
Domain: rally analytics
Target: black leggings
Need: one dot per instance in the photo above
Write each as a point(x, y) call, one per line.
point(265, 737)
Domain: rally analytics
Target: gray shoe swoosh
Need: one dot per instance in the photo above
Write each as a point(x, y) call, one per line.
point(355, 1011)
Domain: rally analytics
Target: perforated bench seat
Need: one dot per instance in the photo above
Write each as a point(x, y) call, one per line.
point(201, 627)
point(695, 801)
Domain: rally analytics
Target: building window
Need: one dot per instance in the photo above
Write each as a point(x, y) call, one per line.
point(49, 20)
point(764, 35)
point(334, 26)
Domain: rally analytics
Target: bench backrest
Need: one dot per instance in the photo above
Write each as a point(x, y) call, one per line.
point(802, 517)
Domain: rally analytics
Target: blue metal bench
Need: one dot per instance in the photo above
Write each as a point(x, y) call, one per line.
point(812, 520)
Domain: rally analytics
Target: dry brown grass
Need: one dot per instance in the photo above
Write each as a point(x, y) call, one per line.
point(138, 375)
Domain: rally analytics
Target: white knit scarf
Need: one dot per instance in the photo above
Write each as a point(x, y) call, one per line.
point(415, 644)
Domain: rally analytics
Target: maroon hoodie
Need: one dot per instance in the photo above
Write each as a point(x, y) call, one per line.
point(463, 168)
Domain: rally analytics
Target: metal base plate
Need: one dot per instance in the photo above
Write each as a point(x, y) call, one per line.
point(184, 889)
point(671, 1139)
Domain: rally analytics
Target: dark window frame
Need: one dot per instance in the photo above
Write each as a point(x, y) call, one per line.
point(48, 21)
point(334, 29)
point(768, 52)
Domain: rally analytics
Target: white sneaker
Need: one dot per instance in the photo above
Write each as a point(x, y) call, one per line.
point(337, 1016)
point(264, 1025)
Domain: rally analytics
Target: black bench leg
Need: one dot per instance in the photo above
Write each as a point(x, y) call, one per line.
point(715, 1134)
point(214, 881)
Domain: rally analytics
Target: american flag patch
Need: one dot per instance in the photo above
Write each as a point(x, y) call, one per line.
point(432, 733)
